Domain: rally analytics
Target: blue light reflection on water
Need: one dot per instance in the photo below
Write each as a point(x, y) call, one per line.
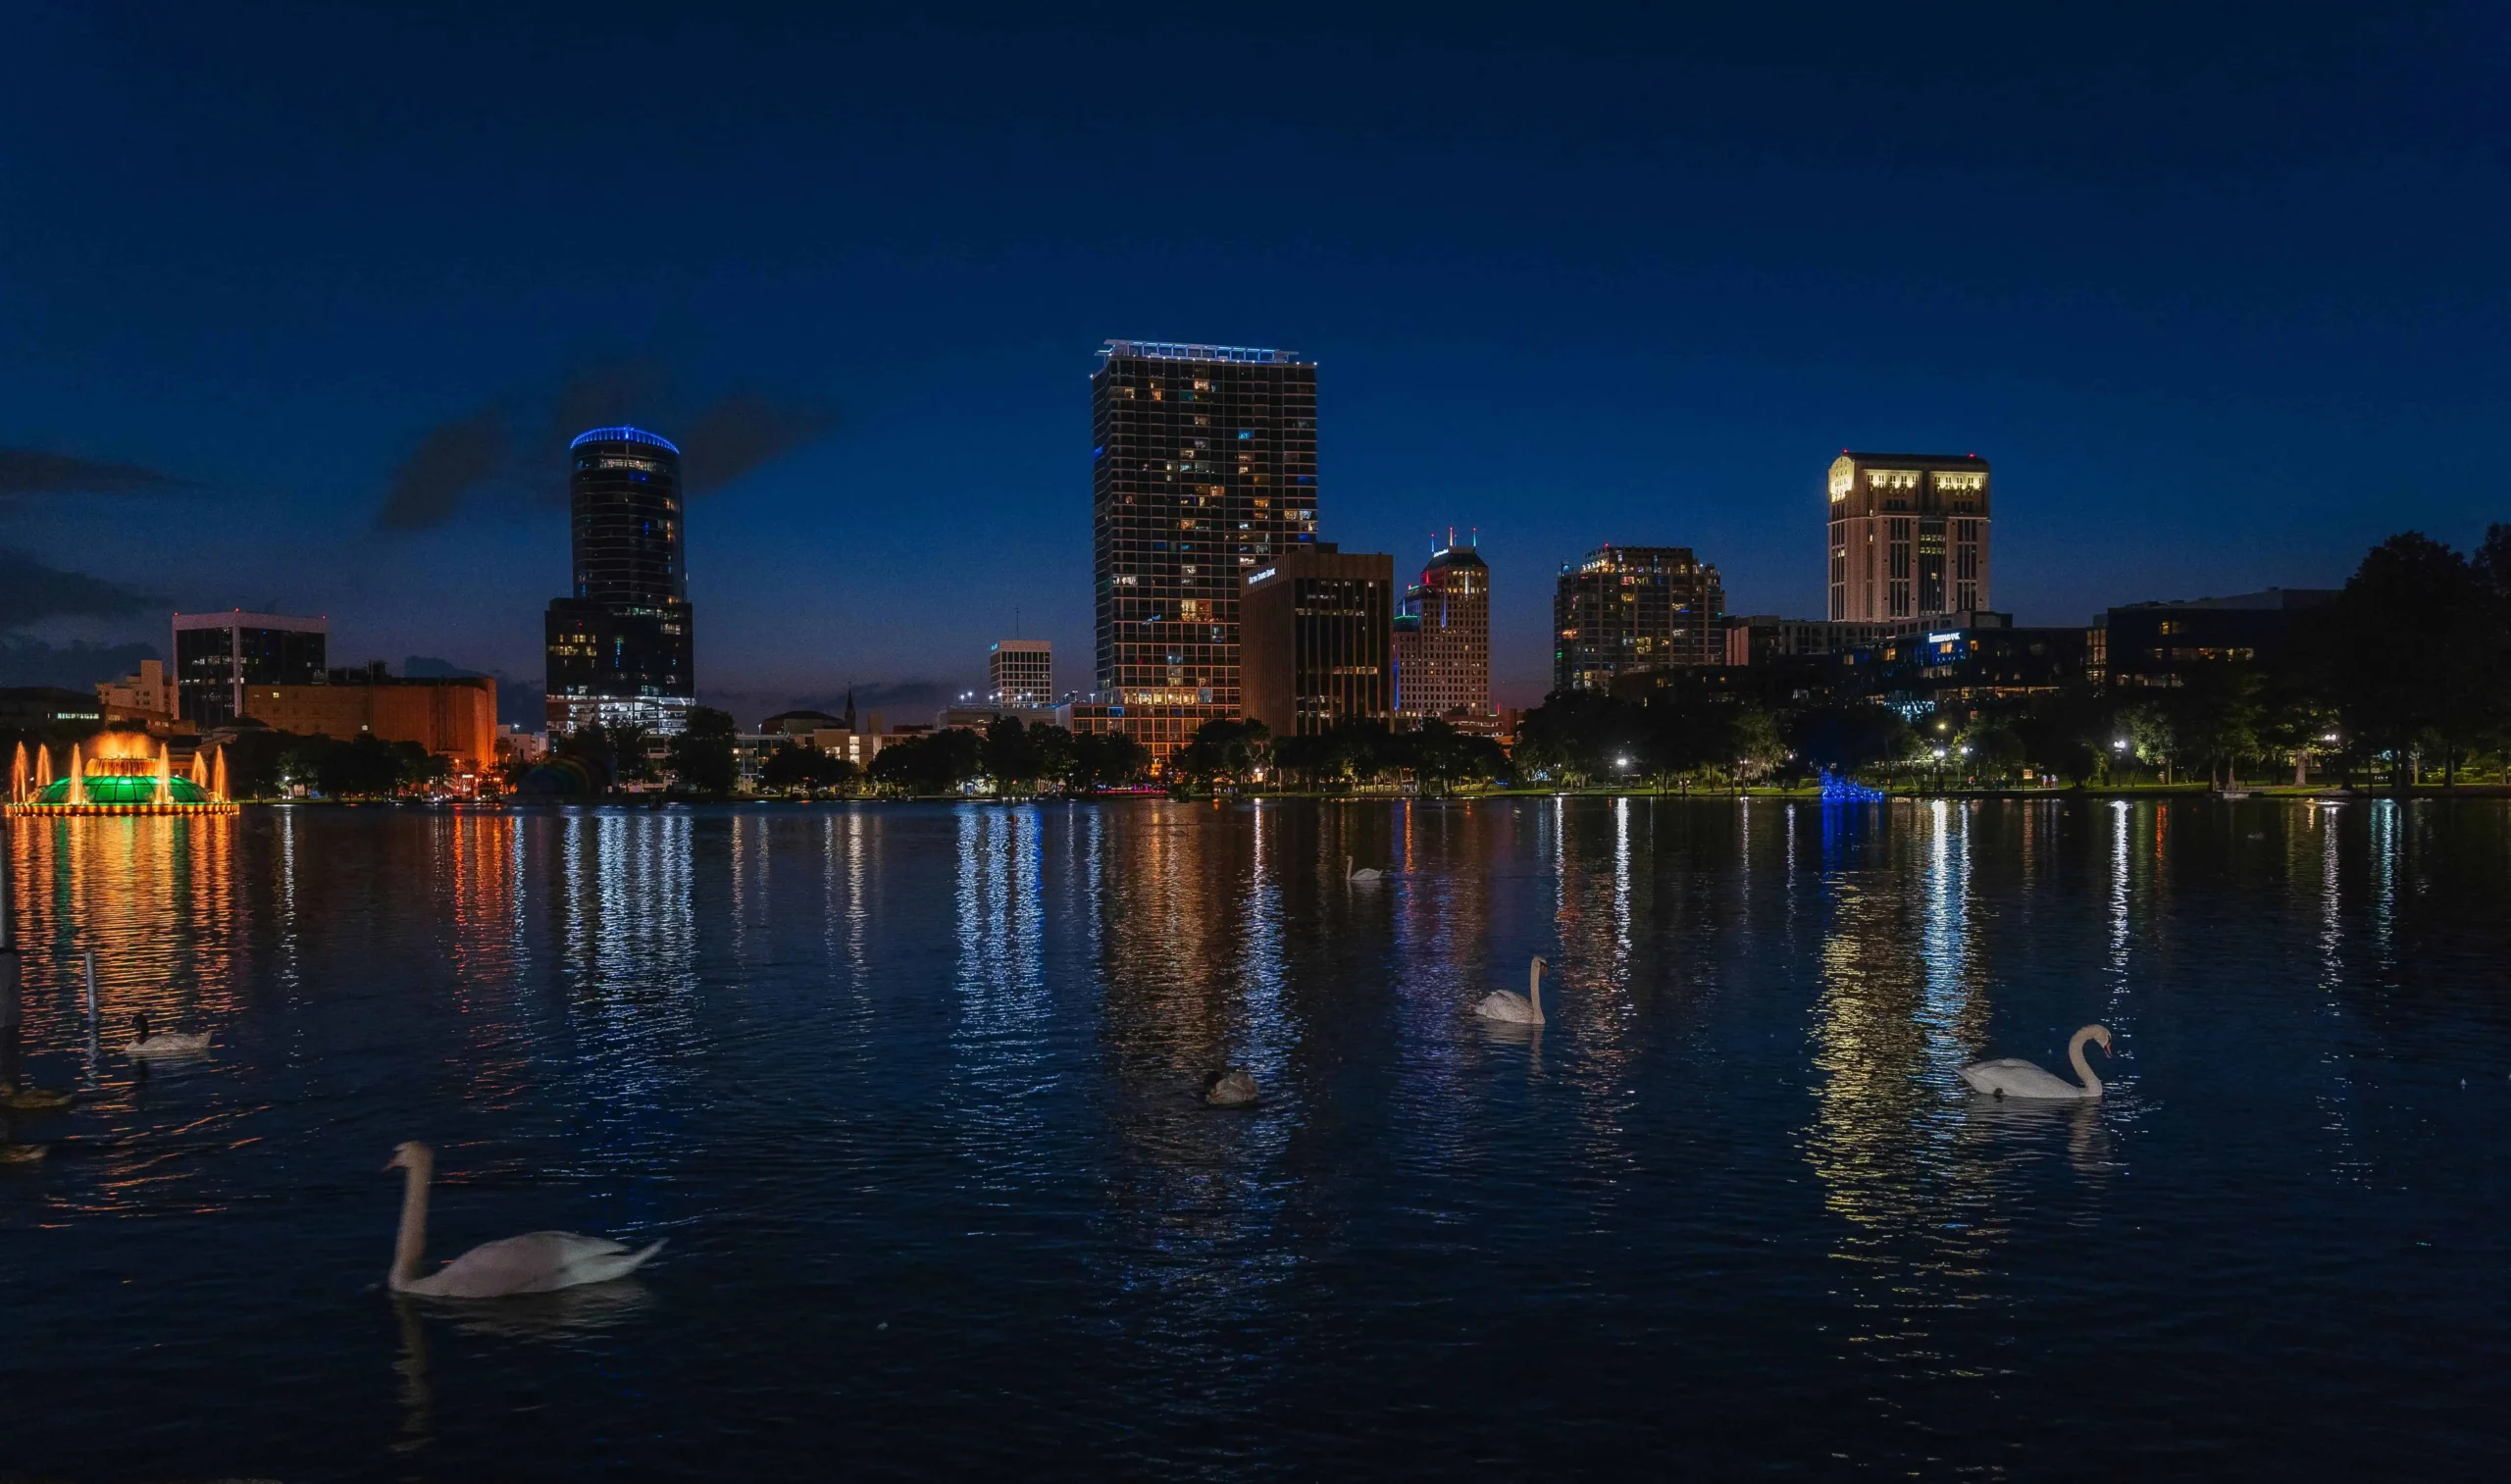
point(912, 1092)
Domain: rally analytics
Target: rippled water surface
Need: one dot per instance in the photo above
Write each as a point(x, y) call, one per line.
point(911, 1091)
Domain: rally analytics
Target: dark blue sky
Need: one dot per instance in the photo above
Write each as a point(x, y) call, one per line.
point(2219, 290)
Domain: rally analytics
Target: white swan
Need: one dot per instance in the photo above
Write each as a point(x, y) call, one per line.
point(163, 1042)
point(2021, 1079)
point(1365, 875)
point(1230, 1087)
point(1517, 1009)
point(534, 1263)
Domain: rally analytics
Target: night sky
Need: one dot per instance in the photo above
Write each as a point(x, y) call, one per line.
point(298, 304)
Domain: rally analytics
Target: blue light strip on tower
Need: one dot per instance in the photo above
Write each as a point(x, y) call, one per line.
point(623, 435)
point(1169, 351)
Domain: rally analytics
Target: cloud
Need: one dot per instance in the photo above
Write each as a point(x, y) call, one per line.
point(497, 451)
point(72, 667)
point(452, 461)
point(33, 591)
point(742, 431)
point(918, 692)
point(34, 471)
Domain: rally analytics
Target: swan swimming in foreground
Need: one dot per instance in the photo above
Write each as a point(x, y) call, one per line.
point(534, 1263)
point(2021, 1079)
point(163, 1042)
point(1365, 875)
point(1517, 1009)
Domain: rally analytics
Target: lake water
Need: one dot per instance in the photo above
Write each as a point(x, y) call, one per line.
point(911, 1091)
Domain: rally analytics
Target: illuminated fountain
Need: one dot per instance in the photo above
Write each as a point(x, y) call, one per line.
point(117, 773)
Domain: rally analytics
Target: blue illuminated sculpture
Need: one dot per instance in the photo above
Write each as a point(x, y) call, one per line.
point(1848, 790)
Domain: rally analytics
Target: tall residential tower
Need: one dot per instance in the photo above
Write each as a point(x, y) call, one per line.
point(620, 647)
point(1626, 608)
point(1908, 536)
point(1202, 469)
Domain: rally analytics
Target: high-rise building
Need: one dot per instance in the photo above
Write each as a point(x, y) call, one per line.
point(1908, 536)
point(1021, 672)
point(218, 654)
point(1442, 638)
point(1204, 469)
point(1625, 608)
point(1313, 640)
point(620, 645)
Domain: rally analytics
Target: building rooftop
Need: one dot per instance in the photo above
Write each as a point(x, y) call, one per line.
point(1165, 350)
point(623, 434)
point(2268, 598)
point(1918, 460)
point(1609, 556)
point(238, 618)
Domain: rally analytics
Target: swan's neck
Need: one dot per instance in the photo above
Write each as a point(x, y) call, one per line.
point(2083, 1068)
point(412, 1242)
point(1534, 987)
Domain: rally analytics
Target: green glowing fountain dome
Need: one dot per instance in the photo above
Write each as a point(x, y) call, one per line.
point(126, 788)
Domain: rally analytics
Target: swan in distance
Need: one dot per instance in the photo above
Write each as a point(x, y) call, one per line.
point(1365, 875)
point(1517, 1009)
point(536, 1262)
point(1231, 1087)
point(163, 1042)
point(2021, 1079)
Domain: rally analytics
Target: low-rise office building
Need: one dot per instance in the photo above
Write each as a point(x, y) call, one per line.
point(217, 655)
point(1760, 638)
point(454, 717)
point(2153, 644)
point(39, 708)
point(1316, 640)
point(147, 695)
point(1021, 672)
point(1980, 656)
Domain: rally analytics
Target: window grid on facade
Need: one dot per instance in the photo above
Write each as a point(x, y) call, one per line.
point(1929, 514)
point(1203, 467)
point(1628, 608)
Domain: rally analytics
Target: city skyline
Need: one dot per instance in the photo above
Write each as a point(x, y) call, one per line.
point(1656, 343)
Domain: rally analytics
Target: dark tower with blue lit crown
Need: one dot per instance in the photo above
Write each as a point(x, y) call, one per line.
point(620, 649)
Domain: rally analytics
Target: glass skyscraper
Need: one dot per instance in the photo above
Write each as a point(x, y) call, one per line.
point(1203, 467)
point(620, 649)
